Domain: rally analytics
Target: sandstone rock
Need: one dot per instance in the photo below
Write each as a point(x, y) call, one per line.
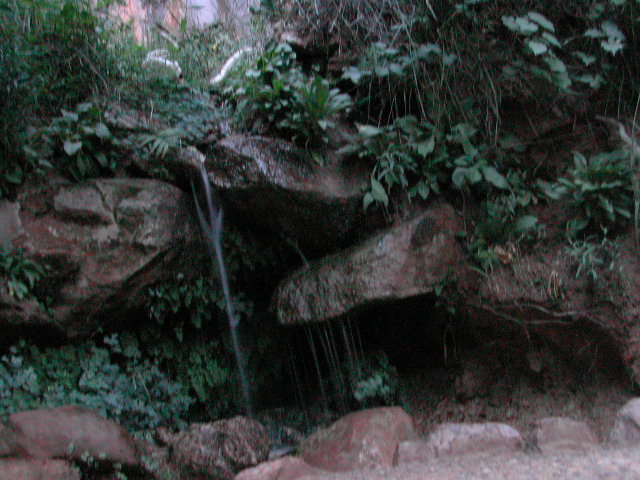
point(285, 468)
point(365, 439)
point(626, 429)
point(219, 449)
point(105, 241)
point(282, 188)
point(469, 438)
point(37, 469)
point(406, 260)
point(555, 433)
point(71, 432)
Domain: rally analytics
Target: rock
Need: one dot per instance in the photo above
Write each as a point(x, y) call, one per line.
point(105, 242)
point(464, 439)
point(626, 429)
point(360, 440)
point(555, 433)
point(72, 432)
point(407, 260)
point(284, 468)
point(37, 469)
point(280, 187)
point(219, 449)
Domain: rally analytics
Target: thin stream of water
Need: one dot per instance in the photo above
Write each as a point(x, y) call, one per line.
point(213, 232)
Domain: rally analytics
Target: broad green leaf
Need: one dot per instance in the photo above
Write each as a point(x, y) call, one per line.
point(71, 148)
point(427, 49)
point(594, 81)
point(84, 107)
point(355, 74)
point(555, 64)
point(426, 147)
point(494, 177)
point(551, 38)
point(612, 45)
point(521, 25)
point(102, 131)
point(537, 47)
point(541, 20)
point(368, 130)
point(378, 192)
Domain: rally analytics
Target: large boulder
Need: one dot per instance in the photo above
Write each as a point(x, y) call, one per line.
point(69, 432)
point(285, 468)
point(360, 440)
point(218, 449)
point(104, 241)
point(554, 433)
point(37, 469)
point(282, 188)
point(451, 439)
point(406, 260)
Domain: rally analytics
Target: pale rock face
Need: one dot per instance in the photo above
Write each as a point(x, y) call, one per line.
point(626, 429)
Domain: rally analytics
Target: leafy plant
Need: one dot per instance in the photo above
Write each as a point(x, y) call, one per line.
point(600, 188)
point(291, 101)
point(593, 255)
point(77, 143)
point(21, 273)
point(376, 383)
point(112, 379)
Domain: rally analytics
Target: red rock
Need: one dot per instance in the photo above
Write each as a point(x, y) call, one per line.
point(365, 439)
point(554, 433)
point(37, 469)
point(470, 438)
point(219, 449)
point(71, 432)
point(285, 468)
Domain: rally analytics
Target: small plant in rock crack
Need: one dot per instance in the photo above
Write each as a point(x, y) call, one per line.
point(21, 273)
point(77, 143)
point(600, 188)
point(594, 256)
point(375, 382)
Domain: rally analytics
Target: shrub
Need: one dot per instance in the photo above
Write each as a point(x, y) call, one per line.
point(289, 100)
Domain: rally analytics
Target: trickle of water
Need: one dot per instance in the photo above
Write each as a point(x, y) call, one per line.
point(212, 228)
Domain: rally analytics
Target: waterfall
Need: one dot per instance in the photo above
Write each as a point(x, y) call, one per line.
point(212, 228)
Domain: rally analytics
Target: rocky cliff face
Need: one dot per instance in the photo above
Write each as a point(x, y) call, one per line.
point(103, 242)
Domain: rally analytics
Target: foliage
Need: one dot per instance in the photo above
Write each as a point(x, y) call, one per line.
point(110, 378)
point(53, 53)
point(289, 100)
point(77, 143)
point(593, 255)
point(600, 188)
point(376, 382)
point(21, 273)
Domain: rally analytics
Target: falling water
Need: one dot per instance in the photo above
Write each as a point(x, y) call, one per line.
point(212, 228)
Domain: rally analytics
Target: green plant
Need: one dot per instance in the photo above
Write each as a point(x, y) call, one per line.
point(291, 101)
point(600, 188)
point(21, 273)
point(376, 382)
point(593, 256)
point(53, 53)
point(111, 378)
point(77, 143)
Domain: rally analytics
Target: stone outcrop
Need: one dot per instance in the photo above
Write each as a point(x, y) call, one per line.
point(104, 242)
point(68, 432)
point(553, 433)
point(404, 261)
point(282, 188)
point(360, 440)
point(218, 449)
